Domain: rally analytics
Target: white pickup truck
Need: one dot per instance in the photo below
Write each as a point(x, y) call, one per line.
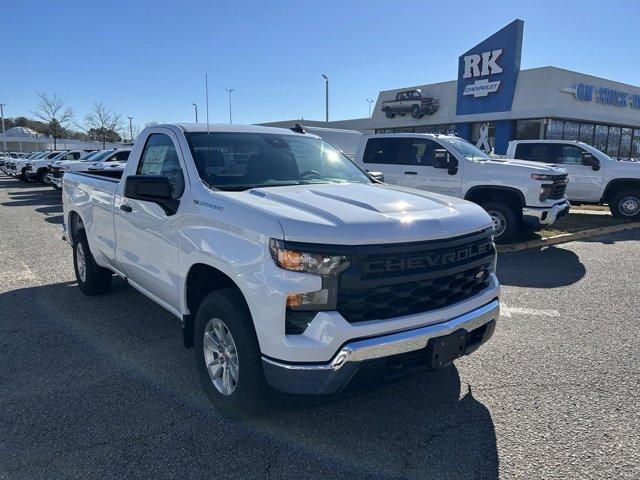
point(288, 265)
point(594, 177)
point(516, 194)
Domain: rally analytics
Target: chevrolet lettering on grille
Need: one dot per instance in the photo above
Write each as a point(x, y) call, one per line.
point(418, 262)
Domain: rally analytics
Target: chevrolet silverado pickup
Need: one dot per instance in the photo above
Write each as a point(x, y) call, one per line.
point(516, 194)
point(594, 177)
point(289, 267)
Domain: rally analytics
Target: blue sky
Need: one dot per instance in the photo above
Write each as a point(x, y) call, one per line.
point(147, 59)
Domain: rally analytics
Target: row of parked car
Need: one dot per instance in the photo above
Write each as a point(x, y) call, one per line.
point(48, 167)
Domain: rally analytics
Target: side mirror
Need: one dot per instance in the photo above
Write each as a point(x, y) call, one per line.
point(377, 176)
point(443, 159)
point(151, 188)
point(589, 160)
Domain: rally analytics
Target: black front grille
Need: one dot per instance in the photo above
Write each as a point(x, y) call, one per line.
point(56, 172)
point(396, 280)
point(558, 188)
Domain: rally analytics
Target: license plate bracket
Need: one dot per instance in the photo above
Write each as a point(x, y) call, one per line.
point(443, 350)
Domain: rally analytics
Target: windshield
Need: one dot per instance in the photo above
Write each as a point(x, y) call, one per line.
point(89, 155)
point(239, 161)
point(466, 149)
point(100, 155)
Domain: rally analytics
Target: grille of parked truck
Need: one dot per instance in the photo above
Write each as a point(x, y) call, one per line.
point(594, 177)
point(288, 265)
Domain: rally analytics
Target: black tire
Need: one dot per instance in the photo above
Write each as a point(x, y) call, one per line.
point(251, 395)
point(415, 111)
point(42, 174)
point(509, 220)
point(96, 279)
point(626, 204)
point(388, 113)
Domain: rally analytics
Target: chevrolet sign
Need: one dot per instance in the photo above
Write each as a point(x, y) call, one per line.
point(481, 88)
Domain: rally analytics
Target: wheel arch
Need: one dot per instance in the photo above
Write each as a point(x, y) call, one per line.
point(481, 193)
point(75, 224)
point(619, 184)
point(202, 279)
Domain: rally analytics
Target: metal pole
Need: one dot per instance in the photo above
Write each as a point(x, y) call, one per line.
point(326, 98)
point(130, 128)
point(196, 109)
point(369, 102)
point(4, 140)
point(229, 90)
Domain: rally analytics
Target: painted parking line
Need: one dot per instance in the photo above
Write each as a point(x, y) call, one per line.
point(507, 311)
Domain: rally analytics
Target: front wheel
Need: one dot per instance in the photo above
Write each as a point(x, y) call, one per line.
point(505, 221)
point(91, 277)
point(228, 357)
point(626, 204)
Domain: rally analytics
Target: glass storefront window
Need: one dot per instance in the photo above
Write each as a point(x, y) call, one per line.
point(554, 129)
point(635, 146)
point(586, 133)
point(625, 144)
point(571, 130)
point(600, 139)
point(613, 142)
point(530, 129)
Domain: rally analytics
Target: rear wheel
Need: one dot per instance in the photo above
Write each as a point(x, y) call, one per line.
point(228, 357)
point(92, 278)
point(42, 177)
point(505, 221)
point(626, 204)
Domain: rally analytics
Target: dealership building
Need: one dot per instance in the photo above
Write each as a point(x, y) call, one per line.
point(493, 101)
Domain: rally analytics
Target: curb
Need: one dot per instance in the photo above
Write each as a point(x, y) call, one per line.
point(567, 237)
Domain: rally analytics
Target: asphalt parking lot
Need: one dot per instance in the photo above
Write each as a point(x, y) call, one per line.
point(101, 387)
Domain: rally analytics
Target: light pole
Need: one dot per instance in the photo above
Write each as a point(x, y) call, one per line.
point(229, 90)
point(4, 140)
point(369, 102)
point(196, 109)
point(130, 128)
point(326, 98)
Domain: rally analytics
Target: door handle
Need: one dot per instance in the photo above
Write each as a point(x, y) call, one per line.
point(125, 208)
point(410, 173)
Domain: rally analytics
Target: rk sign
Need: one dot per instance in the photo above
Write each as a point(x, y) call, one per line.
point(487, 73)
point(480, 66)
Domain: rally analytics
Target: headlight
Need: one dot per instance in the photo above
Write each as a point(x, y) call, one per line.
point(310, 262)
point(302, 307)
point(543, 176)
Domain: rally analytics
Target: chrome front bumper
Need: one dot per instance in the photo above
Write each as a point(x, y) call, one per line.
point(542, 216)
point(56, 182)
point(376, 352)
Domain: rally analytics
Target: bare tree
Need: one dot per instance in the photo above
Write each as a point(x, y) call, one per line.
point(52, 110)
point(103, 124)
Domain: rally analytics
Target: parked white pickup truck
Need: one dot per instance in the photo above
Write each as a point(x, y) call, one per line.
point(57, 169)
point(594, 177)
point(516, 194)
point(289, 266)
point(37, 169)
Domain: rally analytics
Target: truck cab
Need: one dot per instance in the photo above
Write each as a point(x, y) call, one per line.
point(516, 194)
point(594, 177)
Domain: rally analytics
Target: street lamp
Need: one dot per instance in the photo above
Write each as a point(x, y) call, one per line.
point(196, 109)
point(4, 140)
point(326, 98)
point(130, 129)
point(229, 90)
point(369, 102)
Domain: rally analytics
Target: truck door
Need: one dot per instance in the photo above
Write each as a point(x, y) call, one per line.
point(419, 171)
point(148, 236)
point(384, 154)
point(584, 182)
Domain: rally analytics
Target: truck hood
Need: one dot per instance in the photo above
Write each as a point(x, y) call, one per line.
point(351, 214)
point(524, 165)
